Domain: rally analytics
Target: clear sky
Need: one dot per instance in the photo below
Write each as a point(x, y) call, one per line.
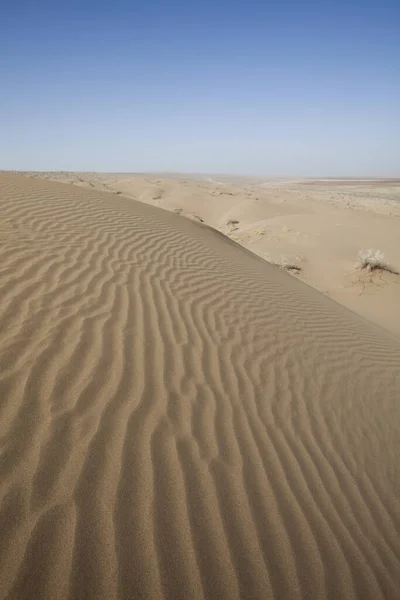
point(265, 87)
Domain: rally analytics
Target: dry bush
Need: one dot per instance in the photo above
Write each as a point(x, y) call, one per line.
point(373, 260)
point(286, 265)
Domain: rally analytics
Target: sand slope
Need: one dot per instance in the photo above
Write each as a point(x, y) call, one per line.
point(320, 226)
point(180, 419)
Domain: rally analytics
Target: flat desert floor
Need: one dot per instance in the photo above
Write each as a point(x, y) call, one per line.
point(179, 418)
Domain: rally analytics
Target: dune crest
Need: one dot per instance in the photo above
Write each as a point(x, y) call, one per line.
point(317, 226)
point(180, 419)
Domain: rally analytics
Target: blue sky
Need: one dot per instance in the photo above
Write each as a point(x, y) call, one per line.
point(275, 88)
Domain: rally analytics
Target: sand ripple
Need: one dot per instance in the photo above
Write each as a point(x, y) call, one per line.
point(180, 419)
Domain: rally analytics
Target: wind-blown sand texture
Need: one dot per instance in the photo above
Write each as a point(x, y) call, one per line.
point(318, 225)
point(180, 419)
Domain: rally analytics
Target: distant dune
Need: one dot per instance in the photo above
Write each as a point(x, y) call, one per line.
point(180, 419)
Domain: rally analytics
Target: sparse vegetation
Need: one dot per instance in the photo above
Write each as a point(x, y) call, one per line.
point(373, 260)
point(232, 222)
point(286, 265)
point(371, 270)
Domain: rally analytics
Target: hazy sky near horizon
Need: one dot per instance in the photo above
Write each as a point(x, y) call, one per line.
point(276, 88)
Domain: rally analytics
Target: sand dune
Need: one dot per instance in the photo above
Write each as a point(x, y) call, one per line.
point(317, 225)
point(180, 419)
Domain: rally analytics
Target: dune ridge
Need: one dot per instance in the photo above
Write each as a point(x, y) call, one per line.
point(180, 419)
point(318, 226)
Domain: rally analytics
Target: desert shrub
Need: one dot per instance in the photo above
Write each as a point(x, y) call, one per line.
point(286, 265)
point(372, 260)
